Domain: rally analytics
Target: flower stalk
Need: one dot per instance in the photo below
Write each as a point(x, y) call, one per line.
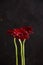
point(24, 51)
point(22, 45)
point(21, 51)
point(16, 51)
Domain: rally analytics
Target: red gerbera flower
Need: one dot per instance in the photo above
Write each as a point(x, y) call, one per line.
point(21, 33)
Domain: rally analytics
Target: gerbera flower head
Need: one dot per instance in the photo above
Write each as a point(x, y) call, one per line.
point(21, 33)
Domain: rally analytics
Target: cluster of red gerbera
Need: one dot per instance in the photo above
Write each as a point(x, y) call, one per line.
point(21, 33)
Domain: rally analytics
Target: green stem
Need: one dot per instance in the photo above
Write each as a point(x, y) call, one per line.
point(16, 51)
point(21, 52)
point(24, 51)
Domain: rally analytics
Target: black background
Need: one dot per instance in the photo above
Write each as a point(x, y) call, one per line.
point(17, 13)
